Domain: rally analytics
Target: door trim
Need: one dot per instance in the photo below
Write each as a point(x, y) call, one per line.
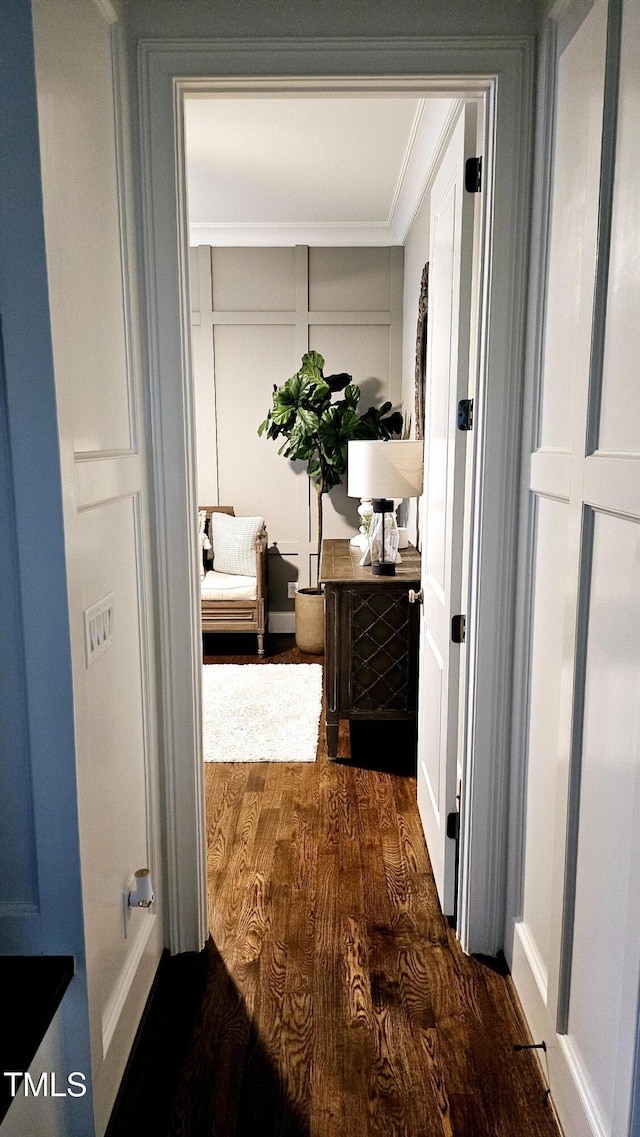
point(501, 71)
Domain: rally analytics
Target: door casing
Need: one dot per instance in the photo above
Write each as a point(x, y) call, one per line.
point(499, 72)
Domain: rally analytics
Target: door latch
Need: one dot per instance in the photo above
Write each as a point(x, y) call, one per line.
point(458, 629)
point(465, 414)
point(473, 175)
point(453, 826)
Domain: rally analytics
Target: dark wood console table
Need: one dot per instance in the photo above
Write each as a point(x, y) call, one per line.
point(371, 638)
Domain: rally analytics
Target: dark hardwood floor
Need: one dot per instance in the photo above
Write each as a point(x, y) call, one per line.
point(333, 998)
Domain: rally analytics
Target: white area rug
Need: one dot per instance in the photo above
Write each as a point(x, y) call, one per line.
point(261, 712)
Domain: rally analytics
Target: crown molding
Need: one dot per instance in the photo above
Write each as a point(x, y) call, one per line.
point(428, 143)
point(289, 233)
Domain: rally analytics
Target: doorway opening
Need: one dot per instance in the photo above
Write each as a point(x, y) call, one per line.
point(506, 159)
point(301, 211)
point(376, 186)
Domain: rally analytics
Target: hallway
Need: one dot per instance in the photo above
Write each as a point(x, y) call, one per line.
point(336, 1001)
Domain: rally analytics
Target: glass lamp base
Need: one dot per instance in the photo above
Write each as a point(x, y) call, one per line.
point(383, 568)
point(383, 539)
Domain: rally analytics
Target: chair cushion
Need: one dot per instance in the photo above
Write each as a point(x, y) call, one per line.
point(225, 586)
point(234, 543)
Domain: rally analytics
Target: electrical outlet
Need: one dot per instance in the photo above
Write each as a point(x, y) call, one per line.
point(292, 588)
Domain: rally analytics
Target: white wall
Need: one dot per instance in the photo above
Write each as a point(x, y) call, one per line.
point(255, 311)
point(574, 940)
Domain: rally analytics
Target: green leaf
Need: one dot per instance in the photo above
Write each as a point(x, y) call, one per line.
point(373, 425)
point(308, 419)
point(313, 359)
point(338, 382)
point(312, 364)
point(282, 414)
point(348, 424)
point(320, 393)
point(282, 396)
point(352, 395)
point(393, 424)
point(331, 479)
point(291, 390)
point(315, 430)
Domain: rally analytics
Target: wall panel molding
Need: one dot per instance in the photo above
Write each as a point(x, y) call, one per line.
point(605, 214)
point(575, 774)
point(147, 693)
point(215, 373)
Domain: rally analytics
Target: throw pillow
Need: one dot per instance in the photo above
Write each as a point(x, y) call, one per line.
point(203, 540)
point(234, 541)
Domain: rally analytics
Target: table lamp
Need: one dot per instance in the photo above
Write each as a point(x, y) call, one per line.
point(383, 471)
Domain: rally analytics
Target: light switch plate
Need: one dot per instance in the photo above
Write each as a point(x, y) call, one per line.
point(99, 632)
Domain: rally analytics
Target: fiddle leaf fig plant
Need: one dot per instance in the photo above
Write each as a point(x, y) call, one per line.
point(316, 429)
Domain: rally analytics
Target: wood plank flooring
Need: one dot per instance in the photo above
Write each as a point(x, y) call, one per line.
point(337, 1001)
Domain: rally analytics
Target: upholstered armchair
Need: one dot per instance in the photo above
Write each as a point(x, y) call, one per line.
point(233, 584)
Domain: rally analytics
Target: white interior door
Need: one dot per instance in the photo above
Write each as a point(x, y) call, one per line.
point(85, 174)
point(442, 504)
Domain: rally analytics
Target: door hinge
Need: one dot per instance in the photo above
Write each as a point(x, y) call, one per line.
point(453, 826)
point(465, 414)
point(473, 175)
point(458, 629)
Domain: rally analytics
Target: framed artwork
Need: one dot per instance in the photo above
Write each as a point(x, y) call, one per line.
point(421, 353)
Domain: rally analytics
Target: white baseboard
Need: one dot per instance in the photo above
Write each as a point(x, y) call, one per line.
point(113, 1009)
point(530, 949)
point(583, 1086)
point(282, 622)
point(572, 1098)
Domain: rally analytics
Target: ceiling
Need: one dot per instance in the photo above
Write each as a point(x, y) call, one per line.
point(316, 171)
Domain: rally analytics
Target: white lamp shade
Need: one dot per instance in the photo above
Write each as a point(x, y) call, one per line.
point(390, 469)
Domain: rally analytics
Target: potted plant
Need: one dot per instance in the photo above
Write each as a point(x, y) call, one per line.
point(315, 429)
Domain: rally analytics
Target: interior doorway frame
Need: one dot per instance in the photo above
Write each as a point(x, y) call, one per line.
point(501, 72)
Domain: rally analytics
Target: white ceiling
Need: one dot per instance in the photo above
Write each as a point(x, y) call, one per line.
point(316, 171)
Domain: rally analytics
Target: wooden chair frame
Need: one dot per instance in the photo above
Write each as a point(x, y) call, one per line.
point(239, 615)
